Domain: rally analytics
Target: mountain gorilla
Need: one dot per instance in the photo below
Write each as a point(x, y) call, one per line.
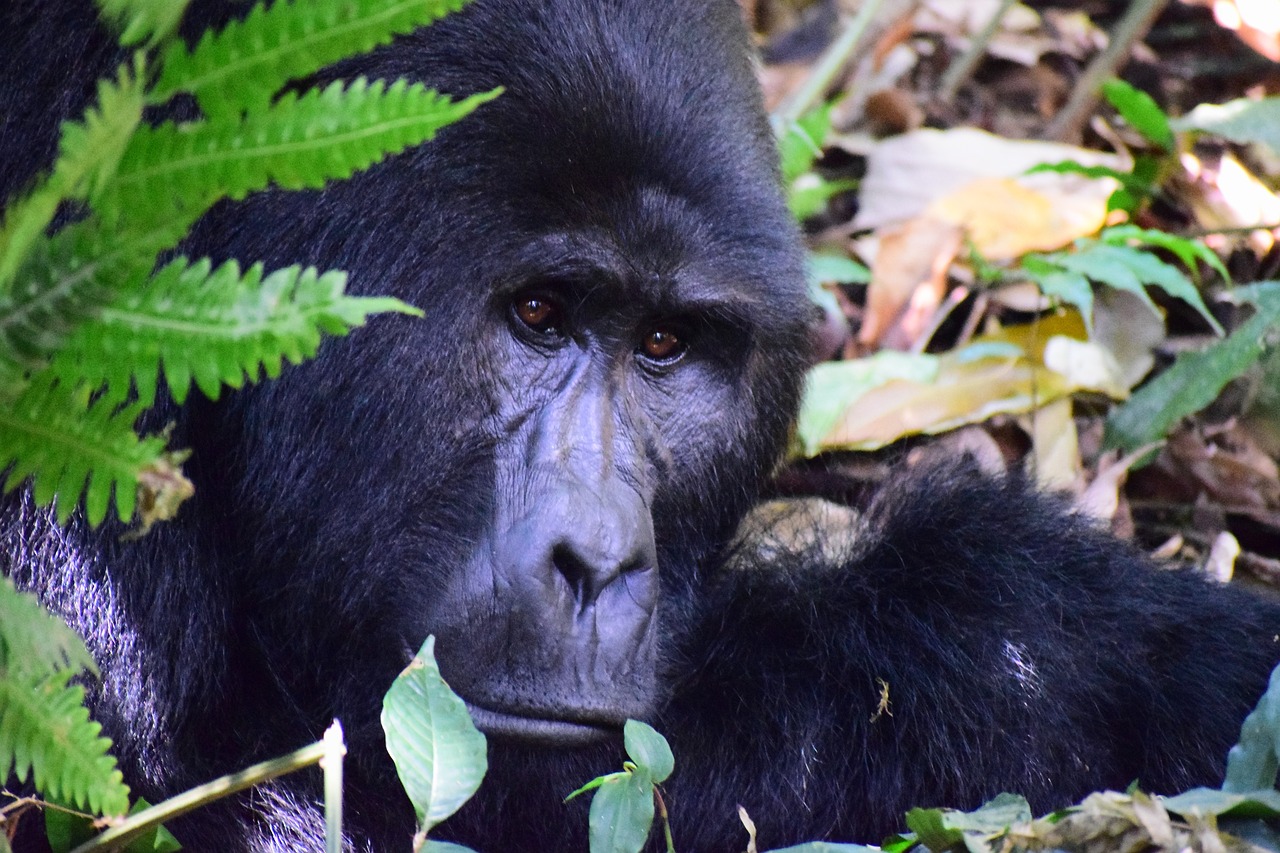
point(548, 471)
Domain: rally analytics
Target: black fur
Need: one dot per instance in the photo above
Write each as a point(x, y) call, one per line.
point(560, 512)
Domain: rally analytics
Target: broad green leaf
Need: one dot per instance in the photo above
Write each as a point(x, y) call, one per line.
point(945, 829)
point(1253, 762)
point(1211, 801)
point(445, 847)
point(1141, 111)
point(299, 142)
point(243, 65)
point(648, 749)
point(824, 267)
point(800, 141)
point(621, 814)
point(1070, 288)
point(438, 752)
point(1245, 120)
point(1194, 380)
point(35, 642)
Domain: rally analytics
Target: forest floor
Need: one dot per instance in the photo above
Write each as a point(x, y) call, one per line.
point(972, 306)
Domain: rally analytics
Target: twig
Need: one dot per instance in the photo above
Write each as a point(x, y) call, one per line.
point(802, 99)
point(135, 825)
point(1130, 29)
point(964, 67)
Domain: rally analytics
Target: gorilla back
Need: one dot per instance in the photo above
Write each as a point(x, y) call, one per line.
point(547, 473)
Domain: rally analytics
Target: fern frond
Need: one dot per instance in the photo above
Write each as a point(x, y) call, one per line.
point(45, 727)
point(213, 328)
point(66, 279)
point(143, 20)
point(33, 641)
point(243, 65)
point(71, 444)
point(300, 142)
point(88, 153)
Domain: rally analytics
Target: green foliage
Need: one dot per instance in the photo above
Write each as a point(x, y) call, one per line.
point(89, 325)
point(284, 42)
point(1245, 120)
point(86, 321)
point(300, 142)
point(67, 831)
point(439, 754)
point(623, 806)
point(1141, 112)
point(211, 327)
point(1118, 259)
point(1194, 380)
point(44, 726)
point(799, 147)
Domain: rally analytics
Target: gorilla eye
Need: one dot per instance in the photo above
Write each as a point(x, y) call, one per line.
point(538, 313)
point(662, 345)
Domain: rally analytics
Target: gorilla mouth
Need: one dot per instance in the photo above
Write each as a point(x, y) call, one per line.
point(547, 731)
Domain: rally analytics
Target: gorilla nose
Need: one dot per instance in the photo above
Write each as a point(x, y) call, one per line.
point(590, 561)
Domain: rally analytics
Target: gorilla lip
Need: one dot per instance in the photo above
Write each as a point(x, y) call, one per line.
point(549, 730)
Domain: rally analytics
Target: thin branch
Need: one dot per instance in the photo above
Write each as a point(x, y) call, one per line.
point(962, 69)
point(1129, 30)
point(799, 101)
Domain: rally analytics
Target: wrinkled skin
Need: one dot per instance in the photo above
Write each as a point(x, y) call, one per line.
point(547, 471)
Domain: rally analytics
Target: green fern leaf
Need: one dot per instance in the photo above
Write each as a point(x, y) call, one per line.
point(143, 20)
point(66, 279)
point(70, 444)
point(243, 65)
point(88, 152)
point(33, 641)
point(300, 142)
point(213, 328)
point(45, 727)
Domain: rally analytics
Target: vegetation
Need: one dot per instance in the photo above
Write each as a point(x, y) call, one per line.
point(90, 323)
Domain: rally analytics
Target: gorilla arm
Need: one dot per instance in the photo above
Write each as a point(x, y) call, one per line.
point(972, 638)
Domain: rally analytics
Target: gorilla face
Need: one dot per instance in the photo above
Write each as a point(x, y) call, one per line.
point(538, 471)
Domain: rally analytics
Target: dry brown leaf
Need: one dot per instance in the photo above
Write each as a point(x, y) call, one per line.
point(1055, 449)
point(908, 281)
point(907, 173)
point(1005, 219)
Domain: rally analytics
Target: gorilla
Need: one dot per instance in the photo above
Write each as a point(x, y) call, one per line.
point(548, 473)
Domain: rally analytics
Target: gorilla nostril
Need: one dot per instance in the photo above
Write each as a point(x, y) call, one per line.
point(575, 571)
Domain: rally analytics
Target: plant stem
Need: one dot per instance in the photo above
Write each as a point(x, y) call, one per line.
point(828, 65)
point(1132, 27)
point(963, 67)
point(331, 763)
point(135, 825)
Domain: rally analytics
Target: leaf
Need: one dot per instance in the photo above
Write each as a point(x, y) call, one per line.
point(298, 143)
point(1141, 111)
point(825, 266)
point(621, 814)
point(1253, 762)
point(800, 141)
point(45, 727)
point(66, 280)
point(1211, 801)
point(244, 64)
point(1245, 120)
point(827, 847)
point(212, 328)
point(69, 445)
point(648, 749)
point(88, 153)
point(438, 752)
point(33, 641)
point(144, 20)
point(1194, 379)
point(1187, 249)
point(446, 847)
point(831, 389)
